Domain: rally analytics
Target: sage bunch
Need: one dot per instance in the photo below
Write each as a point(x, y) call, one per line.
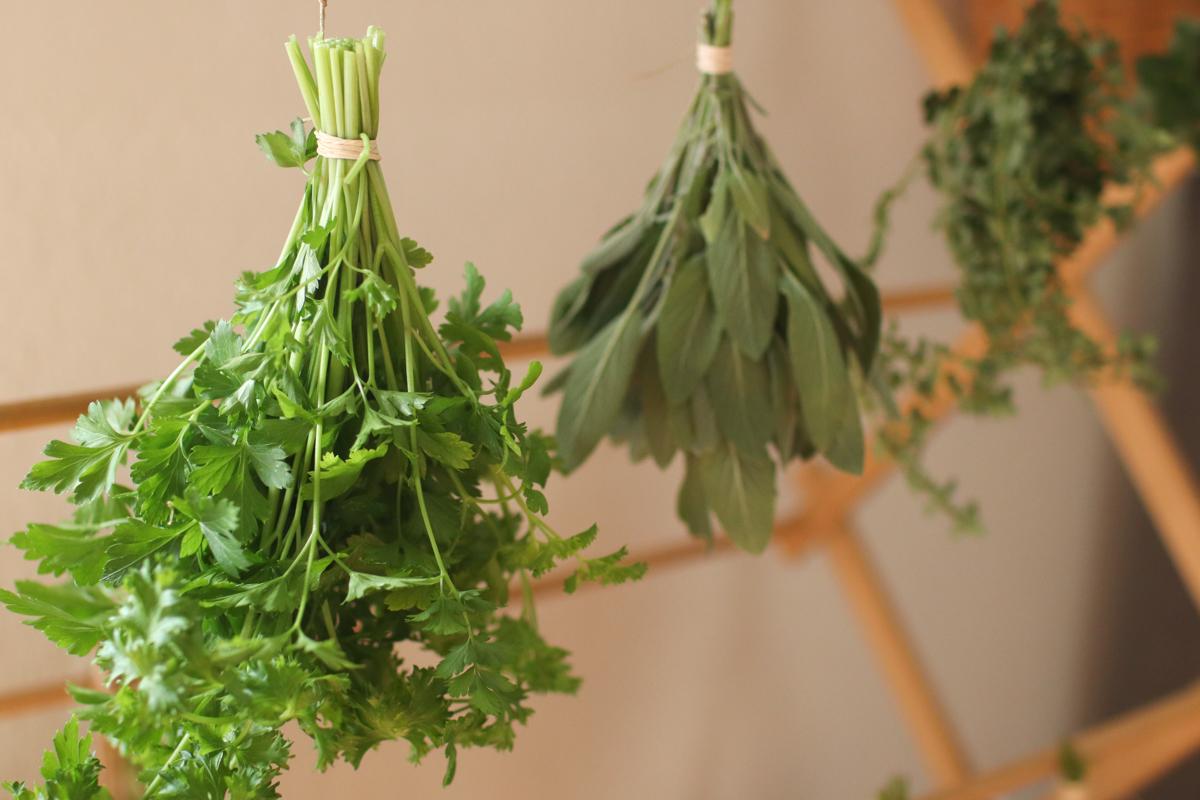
point(700, 325)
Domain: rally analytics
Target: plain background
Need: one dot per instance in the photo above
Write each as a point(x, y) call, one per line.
point(514, 133)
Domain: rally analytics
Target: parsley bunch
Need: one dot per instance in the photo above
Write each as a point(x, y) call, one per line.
point(328, 492)
point(701, 325)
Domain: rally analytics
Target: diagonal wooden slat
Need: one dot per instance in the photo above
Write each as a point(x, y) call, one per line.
point(927, 720)
point(942, 50)
point(1123, 754)
point(1159, 471)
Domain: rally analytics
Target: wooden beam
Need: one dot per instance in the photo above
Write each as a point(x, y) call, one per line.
point(936, 739)
point(65, 408)
point(33, 698)
point(942, 50)
point(1122, 754)
point(1159, 471)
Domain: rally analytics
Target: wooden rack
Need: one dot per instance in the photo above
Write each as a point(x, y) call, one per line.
point(1122, 755)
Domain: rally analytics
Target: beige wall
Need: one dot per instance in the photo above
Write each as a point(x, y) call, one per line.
point(514, 133)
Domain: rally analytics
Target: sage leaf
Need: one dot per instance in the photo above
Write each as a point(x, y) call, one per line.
point(741, 489)
point(596, 387)
point(741, 399)
point(687, 334)
point(692, 503)
point(818, 366)
point(745, 287)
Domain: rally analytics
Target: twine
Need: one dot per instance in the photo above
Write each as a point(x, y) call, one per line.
point(712, 60)
point(344, 149)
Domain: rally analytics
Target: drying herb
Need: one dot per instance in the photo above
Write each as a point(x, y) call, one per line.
point(1071, 765)
point(702, 327)
point(1021, 157)
point(896, 789)
point(327, 492)
point(1169, 82)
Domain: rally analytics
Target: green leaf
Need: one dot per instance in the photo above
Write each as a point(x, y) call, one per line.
point(338, 475)
point(403, 404)
point(596, 387)
point(818, 365)
point(687, 334)
point(740, 487)
point(287, 150)
point(194, 340)
point(327, 651)
point(784, 405)
point(486, 690)
point(514, 394)
point(362, 584)
point(89, 469)
point(847, 451)
point(70, 769)
point(749, 193)
point(74, 549)
point(73, 617)
point(717, 217)
point(105, 424)
point(608, 570)
point(270, 464)
point(378, 295)
point(450, 615)
point(415, 255)
point(446, 448)
point(495, 320)
point(740, 393)
point(654, 408)
point(616, 246)
point(692, 503)
point(218, 521)
point(132, 543)
point(744, 279)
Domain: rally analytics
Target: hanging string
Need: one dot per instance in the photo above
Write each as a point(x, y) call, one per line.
point(324, 7)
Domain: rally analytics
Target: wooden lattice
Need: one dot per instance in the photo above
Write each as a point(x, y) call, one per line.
point(1123, 754)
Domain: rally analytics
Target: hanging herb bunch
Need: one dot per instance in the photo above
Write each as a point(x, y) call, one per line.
point(700, 325)
point(326, 489)
point(1168, 83)
point(1021, 156)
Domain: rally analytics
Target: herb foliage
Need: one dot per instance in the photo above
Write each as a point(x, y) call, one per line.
point(326, 493)
point(1021, 157)
point(701, 326)
point(1168, 81)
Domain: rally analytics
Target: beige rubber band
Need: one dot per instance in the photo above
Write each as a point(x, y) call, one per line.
point(714, 60)
point(344, 149)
